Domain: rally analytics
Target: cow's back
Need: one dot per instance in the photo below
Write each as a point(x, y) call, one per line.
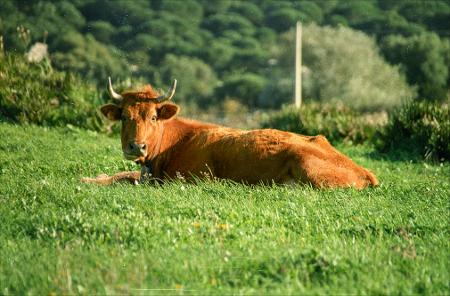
point(252, 156)
point(268, 155)
point(272, 155)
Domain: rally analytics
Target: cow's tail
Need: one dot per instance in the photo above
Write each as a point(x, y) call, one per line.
point(103, 179)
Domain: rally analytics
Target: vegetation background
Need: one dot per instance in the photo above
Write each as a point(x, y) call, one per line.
point(234, 62)
point(372, 54)
point(376, 84)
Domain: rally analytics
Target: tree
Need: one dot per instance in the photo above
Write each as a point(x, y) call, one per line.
point(118, 13)
point(231, 21)
point(357, 11)
point(219, 54)
point(101, 30)
point(249, 11)
point(70, 14)
point(389, 23)
point(191, 11)
point(283, 19)
point(425, 60)
point(230, 36)
point(310, 12)
point(196, 79)
point(87, 56)
point(211, 7)
point(343, 64)
point(246, 88)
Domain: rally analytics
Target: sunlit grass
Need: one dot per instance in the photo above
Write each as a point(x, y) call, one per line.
point(59, 235)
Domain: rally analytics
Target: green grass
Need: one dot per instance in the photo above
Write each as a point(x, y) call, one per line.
point(60, 236)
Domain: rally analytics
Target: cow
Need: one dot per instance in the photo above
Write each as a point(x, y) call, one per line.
point(169, 147)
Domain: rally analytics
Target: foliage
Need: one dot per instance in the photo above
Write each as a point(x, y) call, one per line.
point(426, 59)
point(101, 30)
point(213, 237)
point(229, 22)
point(396, 23)
point(190, 10)
point(278, 90)
point(248, 10)
point(87, 57)
point(36, 93)
point(283, 19)
point(335, 121)
point(244, 87)
point(219, 54)
point(99, 38)
point(196, 79)
point(357, 12)
point(345, 64)
point(421, 127)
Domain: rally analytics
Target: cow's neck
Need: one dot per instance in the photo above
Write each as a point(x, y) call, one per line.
point(179, 130)
point(157, 147)
point(176, 132)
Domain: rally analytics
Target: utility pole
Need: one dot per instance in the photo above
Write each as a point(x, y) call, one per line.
point(298, 65)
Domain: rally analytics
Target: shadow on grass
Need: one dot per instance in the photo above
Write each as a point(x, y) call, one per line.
point(398, 154)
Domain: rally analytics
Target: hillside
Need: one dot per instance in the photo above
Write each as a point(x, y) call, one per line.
point(226, 49)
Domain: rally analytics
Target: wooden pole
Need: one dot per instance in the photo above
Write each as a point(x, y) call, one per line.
point(298, 66)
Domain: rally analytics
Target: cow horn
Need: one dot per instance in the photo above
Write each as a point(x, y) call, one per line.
point(169, 94)
point(112, 93)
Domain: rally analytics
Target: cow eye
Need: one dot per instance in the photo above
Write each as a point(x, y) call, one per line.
point(154, 118)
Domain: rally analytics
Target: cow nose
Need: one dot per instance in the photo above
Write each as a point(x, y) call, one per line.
point(138, 149)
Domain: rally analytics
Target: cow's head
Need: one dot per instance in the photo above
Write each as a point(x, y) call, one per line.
point(142, 114)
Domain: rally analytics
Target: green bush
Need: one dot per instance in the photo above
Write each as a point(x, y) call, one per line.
point(426, 61)
point(246, 88)
point(283, 19)
point(344, 64)
point(100, 38)
point(102, 31)
point(196, 79)
point(250, 11)
point(86, 56)
point(36, 93)
point(220, 23)
point(420, 127)
point(335, 121)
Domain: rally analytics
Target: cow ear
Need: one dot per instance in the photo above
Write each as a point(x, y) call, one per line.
point(111, 111)
point(167, 111)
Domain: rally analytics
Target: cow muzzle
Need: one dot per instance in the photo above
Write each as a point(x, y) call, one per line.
point(135, 150)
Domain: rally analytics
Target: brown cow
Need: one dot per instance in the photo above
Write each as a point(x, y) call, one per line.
point(153, 136)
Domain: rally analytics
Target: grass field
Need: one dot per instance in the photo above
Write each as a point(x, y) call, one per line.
point(60, 236)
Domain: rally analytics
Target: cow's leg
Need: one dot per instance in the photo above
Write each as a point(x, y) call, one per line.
point(329, 176)
point(103, 179)
point(331, 173)
point(323, 174)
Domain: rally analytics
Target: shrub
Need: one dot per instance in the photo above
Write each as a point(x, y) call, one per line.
point(222, 22)
point(196, 79)
point(245, 87)
point(426, 60)
point(86, 56)
point(344, 64)
point(189, 10)
point(219, 54)
point(248, 10)
point(334, 121)
point(102, 31)
point(282, 19)
point(419, 127)
point(36, 93)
